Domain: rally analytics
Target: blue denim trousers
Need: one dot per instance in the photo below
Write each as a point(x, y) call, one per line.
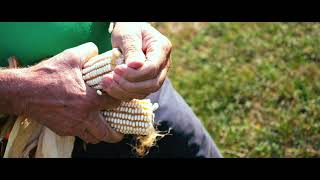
point(187, 139)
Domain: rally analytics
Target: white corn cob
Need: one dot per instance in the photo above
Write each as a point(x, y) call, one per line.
point(134, 117)
point(100, 65)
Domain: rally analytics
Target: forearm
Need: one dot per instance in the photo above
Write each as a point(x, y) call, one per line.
point(13, 87)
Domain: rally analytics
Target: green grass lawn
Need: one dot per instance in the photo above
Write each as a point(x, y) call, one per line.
point(255, 86)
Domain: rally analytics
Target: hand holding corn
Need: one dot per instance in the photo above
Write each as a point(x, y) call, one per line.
point(147, 54)
point(55, 95)
point(135, 117)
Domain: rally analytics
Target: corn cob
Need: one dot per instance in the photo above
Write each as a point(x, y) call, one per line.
point(134, 117)
point(97, 66)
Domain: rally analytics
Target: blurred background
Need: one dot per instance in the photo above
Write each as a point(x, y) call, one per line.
point(255, 86)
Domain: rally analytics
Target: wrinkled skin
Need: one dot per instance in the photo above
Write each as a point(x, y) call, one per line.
point(60, 99)
point(147, 54)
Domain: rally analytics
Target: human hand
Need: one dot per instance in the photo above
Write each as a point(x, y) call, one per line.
point(59, 98)
point(147, 54)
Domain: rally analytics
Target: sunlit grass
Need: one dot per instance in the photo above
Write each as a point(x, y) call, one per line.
point(255, 86)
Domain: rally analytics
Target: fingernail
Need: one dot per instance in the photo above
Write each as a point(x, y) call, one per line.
point(135, 64)
point(119, 70)
point(135, 59)
point(107, 81)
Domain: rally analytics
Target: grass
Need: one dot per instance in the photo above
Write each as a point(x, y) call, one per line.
point(255, 86)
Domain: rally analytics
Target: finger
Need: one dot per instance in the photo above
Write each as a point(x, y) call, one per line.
point(143, 87)
point(102, 131)
point(114, 90)
point(108, 102)
point(88, 137)
point(157, 59)
point(104, 101)
point(85, 51)
point(131, 47)
point(159, 53)
point(99, 58)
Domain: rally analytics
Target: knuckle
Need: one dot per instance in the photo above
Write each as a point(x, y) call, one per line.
point(129, 42)
point(130, 47)
point(69, 54)
point(71, 57)
point(153, 70)
point(167, 45)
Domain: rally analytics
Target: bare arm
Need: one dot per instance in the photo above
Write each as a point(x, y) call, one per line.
point(12, 84)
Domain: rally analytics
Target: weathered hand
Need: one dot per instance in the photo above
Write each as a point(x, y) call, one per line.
point(147, 54)
point(59, 98)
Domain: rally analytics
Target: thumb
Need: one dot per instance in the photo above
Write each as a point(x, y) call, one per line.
point(131, 47)
point(101, 130)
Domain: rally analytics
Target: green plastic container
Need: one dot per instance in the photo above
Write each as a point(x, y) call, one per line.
point(31, 42)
